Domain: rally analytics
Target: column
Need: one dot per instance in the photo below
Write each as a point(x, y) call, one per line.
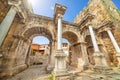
point(59, 46)
point(6, 23)
point(96, 49)
point(113, 41)
point(115, 45)
point(98, 56)
point(60, 62)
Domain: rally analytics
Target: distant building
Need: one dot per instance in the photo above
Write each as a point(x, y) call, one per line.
point(44, 48)
point(41, 49)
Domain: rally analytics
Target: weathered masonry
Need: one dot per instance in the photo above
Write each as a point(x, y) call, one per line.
point(94, 36)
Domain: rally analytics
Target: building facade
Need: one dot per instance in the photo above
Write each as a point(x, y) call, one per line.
point(93, 36)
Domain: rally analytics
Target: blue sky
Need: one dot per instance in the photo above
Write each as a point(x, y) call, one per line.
point(46, 8)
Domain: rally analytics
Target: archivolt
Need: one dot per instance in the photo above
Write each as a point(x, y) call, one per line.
point(38, 31)
point(70, 36)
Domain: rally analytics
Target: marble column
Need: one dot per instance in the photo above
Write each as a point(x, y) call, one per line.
point(96, 49)
point(98, 56)
point(113, 41)
point(6, 23)
point(60, 62)
point(117, 48)
point(59, 44)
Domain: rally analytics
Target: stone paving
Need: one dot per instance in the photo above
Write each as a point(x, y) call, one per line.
point(38, 72)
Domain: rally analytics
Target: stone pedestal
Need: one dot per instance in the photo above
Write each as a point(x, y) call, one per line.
point(102, 69)
point(60, 63)
point(118, 58)
point(82, 64)
point(100, 63)
point(98, 57)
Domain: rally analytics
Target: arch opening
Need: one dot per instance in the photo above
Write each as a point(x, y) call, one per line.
point(70, 36)
point(35, 31)
point(74, 50)
point(40, 51)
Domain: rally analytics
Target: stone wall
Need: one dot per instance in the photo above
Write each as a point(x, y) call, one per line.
point(104, 10)
point(75, 55)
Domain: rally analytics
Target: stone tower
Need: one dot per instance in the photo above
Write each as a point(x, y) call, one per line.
point(103, 11)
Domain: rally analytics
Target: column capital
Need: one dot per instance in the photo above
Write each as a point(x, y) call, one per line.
point(90, 24)
point(18, 5)
point(107, 28)
point(15, 3)
point(59, 11)
point(59, 16)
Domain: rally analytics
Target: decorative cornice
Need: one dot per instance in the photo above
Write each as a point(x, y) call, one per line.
point(87, 18)
point(104, 26)
point(59, 11)
point(105, 23)
point(18, 4)
point(51, 19)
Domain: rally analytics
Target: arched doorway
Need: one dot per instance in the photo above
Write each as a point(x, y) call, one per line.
point(17, 59)
point(39, 51)
point(38, 31)
point(74, 47)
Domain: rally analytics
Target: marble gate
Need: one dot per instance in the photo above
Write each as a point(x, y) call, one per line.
point(19, 25)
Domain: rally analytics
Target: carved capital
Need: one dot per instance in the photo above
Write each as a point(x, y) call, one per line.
point(107, 28)
point(59, 15)
point(17, 4)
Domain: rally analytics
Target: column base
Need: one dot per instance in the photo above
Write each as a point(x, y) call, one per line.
point(82, 65)
point(50, 68)
point(100, 63)
point(118, 58)
point(100, 59)
point(102, 69)
point(60, 63)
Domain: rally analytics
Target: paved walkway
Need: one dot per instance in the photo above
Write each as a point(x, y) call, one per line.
point(35, 72)
point(38, 72)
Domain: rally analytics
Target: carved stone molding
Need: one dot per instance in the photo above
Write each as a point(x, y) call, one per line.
point(18, 4)
point(106, 25)
point(59, 11)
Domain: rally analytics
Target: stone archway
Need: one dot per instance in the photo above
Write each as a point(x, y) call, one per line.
point(20, 50)
point(32, 32)
point(70, 36)
point(74, 50)
point(38, 31)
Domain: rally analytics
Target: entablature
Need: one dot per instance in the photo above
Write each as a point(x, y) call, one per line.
point(21, 8)
point(104, 26)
